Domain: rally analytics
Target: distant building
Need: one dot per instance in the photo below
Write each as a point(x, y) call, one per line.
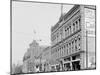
point(73, 39)
point(30, 59)
point(26, 60)
point(46, 58)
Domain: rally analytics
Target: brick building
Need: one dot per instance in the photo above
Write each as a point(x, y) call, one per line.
point(73, 39)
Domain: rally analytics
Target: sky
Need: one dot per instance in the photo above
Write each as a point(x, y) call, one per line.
point(32, 21)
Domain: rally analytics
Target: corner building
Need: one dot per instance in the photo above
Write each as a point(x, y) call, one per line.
point(72, 38)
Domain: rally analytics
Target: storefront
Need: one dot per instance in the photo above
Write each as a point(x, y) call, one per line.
point(72, 63)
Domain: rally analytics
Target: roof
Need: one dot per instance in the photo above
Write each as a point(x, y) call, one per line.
point(65, 16)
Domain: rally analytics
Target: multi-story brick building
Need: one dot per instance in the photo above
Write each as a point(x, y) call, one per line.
point(73, 39)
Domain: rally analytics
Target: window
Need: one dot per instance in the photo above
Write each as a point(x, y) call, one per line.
point(67, 31)
point(73, 27)
point(79, 43)
point(75, 45)
point(58, 52)
point(61, 32)
point(64, 49)
point(69, 48)
point(70, 29)
point(76, 25)
point(72, 46)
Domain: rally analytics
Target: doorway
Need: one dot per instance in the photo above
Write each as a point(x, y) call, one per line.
point(76, 65)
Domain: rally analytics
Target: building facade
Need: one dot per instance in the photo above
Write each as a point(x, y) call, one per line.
point(45, 59)
point(73, 39)
point(31, 59)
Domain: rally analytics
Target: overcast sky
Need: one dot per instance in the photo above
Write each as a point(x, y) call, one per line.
point(30, 18)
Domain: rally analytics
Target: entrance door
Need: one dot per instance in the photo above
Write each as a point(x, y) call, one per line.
point(76, 65)
point(67, 67)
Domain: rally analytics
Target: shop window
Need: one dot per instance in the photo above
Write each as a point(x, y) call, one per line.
point(73, 57)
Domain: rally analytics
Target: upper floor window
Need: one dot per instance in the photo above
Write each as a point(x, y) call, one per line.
point(73, 27)
point(70, 30)
point(76, 25)
point(69, 48)
point(61, 33)
point(76, 44)
point(79, 23)
point(79, 43)
point(72, 46)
